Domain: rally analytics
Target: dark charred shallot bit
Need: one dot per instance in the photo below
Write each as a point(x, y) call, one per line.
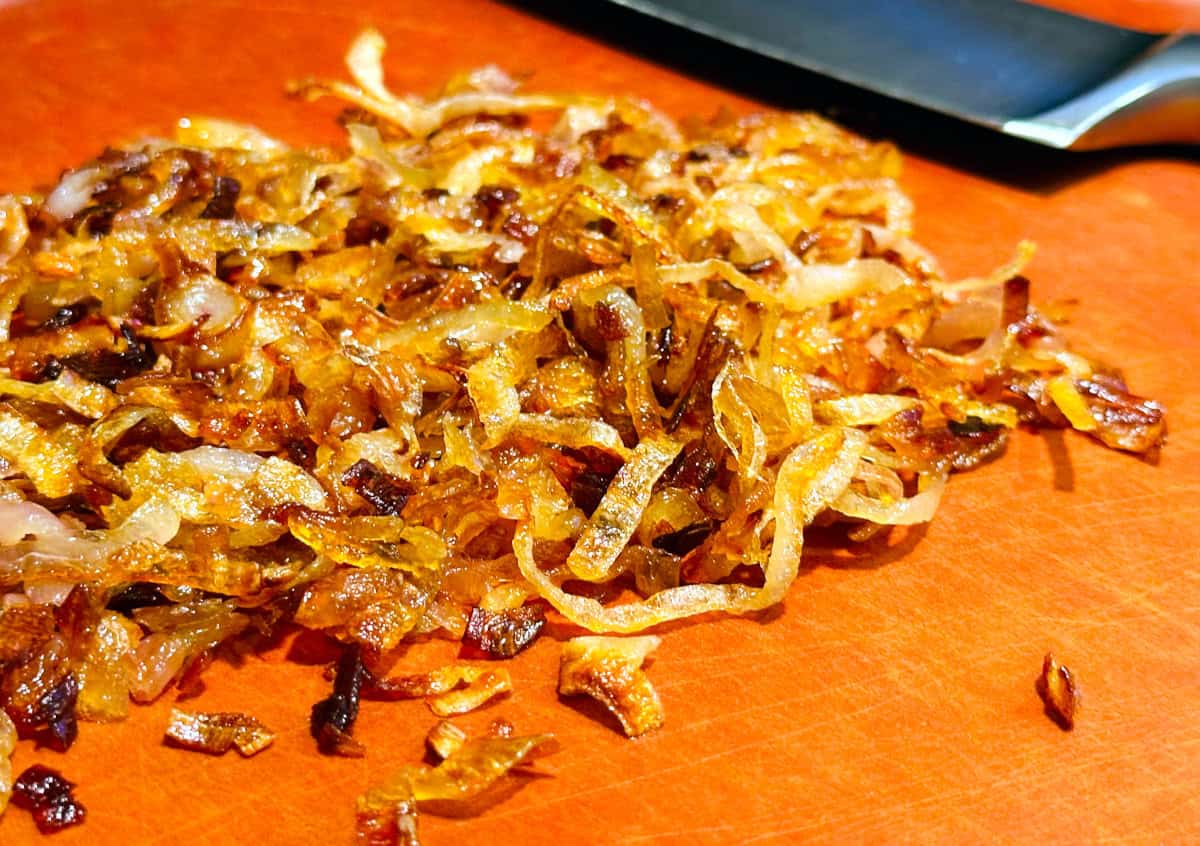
point(714, 348)
point(1059, 690)
point(617, 161)
point(56, 710)
point(971, 426)
point(364, 230)
point(332, 719)
point(385, 493)
point(218, 732)
point(223, 204)
point(137, 595)
point(492, 198)
point(66, 316)
point(104, 366)
point(684, 540)
point(667, 204)
point(48, 796)
point(804, 241)
point(515, 287)
point(1015, 302)
point(662, 347)
point(694, 468)
point(762, 266)
point(502, 634)
point(609, 669)
point(588, 488)
point(301, 453)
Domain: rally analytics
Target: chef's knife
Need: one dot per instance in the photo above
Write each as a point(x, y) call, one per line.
point(1026, 70)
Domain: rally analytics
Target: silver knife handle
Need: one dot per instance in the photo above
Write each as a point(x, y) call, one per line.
point(1155, 100)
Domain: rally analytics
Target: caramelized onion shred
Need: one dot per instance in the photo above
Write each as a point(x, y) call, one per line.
point(540, 347)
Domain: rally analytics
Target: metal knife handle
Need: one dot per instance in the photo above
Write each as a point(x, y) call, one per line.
point(1155, 100)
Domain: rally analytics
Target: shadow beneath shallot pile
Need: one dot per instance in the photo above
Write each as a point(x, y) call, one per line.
point(1060, 459)
point(829, 547)
point(501, 791)
point(311, 647)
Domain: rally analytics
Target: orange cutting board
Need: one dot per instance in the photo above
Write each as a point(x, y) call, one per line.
point(892, 699)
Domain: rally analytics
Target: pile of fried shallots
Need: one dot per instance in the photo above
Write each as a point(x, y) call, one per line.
point(506, 355)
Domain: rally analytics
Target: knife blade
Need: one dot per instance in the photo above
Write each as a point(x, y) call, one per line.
point(1026, 70)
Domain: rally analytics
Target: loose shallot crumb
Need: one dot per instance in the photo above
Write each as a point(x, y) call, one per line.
point(1059, 691)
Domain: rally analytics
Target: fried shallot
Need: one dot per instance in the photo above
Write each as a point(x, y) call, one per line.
point(218, 732)
point(1059, 689)
point(609, 669)
point(452, 689)
point(49, 797)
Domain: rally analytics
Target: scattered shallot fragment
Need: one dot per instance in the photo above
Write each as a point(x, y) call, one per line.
point(609, 669)
point(1059, 691)
point(453, 689)
point(445, 738)
point(218, 732)
point(48, 796)
point(386, 814)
